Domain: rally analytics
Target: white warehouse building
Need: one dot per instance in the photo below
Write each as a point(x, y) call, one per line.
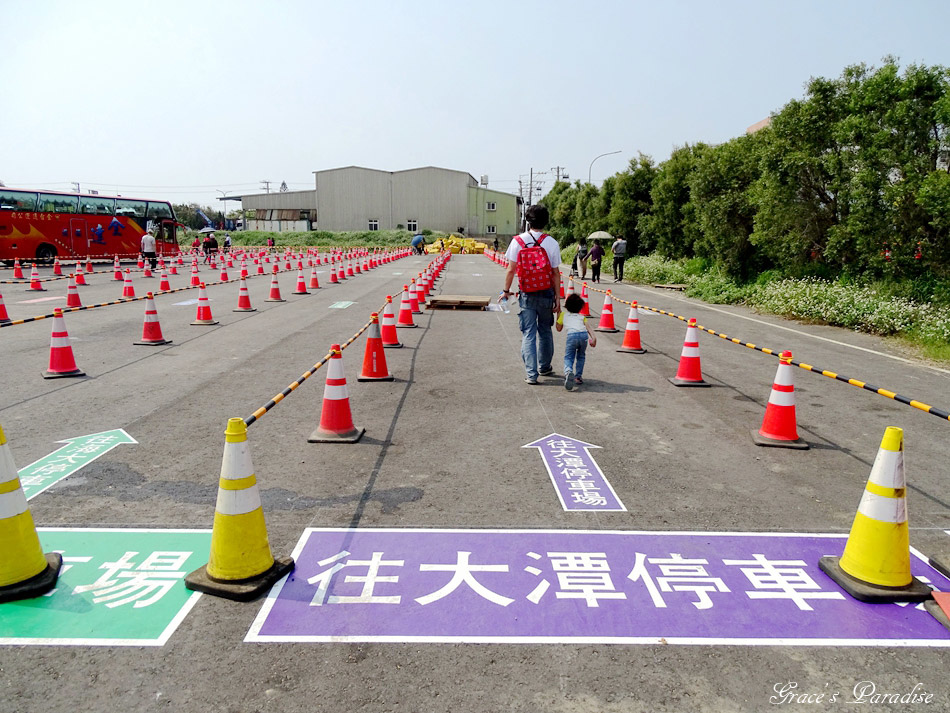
point(355, 199)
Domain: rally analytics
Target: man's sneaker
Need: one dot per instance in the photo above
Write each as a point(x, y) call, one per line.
point(547, 372)
point(569, 380)
point(529, 380)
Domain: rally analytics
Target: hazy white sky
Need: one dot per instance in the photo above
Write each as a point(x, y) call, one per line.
point(184, 100)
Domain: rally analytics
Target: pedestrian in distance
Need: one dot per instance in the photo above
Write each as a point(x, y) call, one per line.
point(227, 242)
point(148, 247)
point(418, 244)
point(206, 248)
point(579, 336)
point(535, 257)
point(495, 245)
point(212, 247)
point(581, 257)
point(596, 256)
point(619, 249)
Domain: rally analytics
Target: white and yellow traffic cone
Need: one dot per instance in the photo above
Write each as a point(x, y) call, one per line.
point(875, 565)
point(25, 572)
point(241, 566)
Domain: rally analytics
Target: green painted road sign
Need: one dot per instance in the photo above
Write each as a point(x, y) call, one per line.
point(118, 587)
point(78, 452)
point(341, 305)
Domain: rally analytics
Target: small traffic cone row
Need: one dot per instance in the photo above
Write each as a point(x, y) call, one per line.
point(607, 316)
point(405, 310)
point(244, 299)
point(875, 564)
point(35, 283)
point(779, 428)
point(17, 269)
point(301, 288)
point(151, 328)
point(203, 316)
point(128, 289)
point(631, 336)
point(62, 363)
point(275, 289)
point(72, 294)
point(25, 571)
point(4, 317)
point(79, 275)
point(690, 372)
point(388, 331)
point(336, 420)
point(374, 358)
point(241, 565)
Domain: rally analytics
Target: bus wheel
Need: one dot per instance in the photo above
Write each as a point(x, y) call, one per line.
point(45, 253)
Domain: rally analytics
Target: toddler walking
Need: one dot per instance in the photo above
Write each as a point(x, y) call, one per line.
point(578, 337)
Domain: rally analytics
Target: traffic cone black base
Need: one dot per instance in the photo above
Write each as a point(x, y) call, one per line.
point(319, 436)
point(63, 374)
point(35, 586)
point(390, 377)
point(916, 591)
point(156, 343)
point(243, 590)
point(760, 440)
point(683, 382)
point(627, 350)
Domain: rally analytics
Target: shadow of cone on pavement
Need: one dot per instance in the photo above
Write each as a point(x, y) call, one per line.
point(241, 566)
point(875, 565)
point(25, 572)
point(779, 428)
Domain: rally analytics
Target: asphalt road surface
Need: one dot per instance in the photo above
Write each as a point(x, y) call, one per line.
point(442, 457)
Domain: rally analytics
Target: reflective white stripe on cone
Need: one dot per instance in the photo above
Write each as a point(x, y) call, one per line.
point(779, 428)
point(336, 420)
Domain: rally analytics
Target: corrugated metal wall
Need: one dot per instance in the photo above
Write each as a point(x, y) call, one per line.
point(348, 198)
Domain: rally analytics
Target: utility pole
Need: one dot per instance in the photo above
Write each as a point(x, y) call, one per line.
point(266, 185)
point(76, 186)
point(530, 187)
point(557, 172)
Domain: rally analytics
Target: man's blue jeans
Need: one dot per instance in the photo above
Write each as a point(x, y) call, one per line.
point(575, 353)
point(536, 320)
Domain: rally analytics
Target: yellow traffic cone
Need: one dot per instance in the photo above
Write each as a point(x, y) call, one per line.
point(875, 565)
point(241, 566)
point(25, 572)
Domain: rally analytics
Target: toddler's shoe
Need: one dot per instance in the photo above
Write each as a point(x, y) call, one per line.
point(569, 380)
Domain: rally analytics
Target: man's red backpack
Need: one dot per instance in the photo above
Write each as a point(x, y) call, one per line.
point(534, 268)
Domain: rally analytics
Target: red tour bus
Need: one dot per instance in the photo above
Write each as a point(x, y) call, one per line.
point(41, 225)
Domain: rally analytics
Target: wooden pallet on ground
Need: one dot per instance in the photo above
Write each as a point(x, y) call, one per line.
point(474, 302)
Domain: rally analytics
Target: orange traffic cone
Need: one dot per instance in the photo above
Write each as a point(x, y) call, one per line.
point(690, 371)
point(374, 359)
point(336, 420)
point(172, 269)
point(414, 297)
point(586, 309)
point(117, 270)
point(152, 329)
point(779, 428)
point(388, 332)
point(57, 268)
point(164, 285)
point(243, 267)
point(314, 282)
point(62, 363)
point(607, 316)
point(195, 278)
point(80, 275)
point(147, 271)
point(274, 289)
point(35, 283)
point(140, 263)
point(88, 263)
point(72, 294)
point(301, 288)
point(631, 337)
point(203, 317)
point(333, 278)
point(223, 277)
point(244, 299)
point(128, 289)
point(349, 268)
point(4, 317)
point(17, 269)
point(405, 310)
point(421, 293)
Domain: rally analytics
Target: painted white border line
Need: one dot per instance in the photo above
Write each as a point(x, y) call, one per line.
point(162, 638)
point(254, 633)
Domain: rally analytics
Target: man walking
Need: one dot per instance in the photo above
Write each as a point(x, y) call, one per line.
point(148, 247)
point(619, 249)
point(535, 257)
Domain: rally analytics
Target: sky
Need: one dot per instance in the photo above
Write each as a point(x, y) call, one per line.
point(190, 101)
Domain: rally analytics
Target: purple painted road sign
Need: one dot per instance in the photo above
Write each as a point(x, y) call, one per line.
point(538, 586)
point(578, 480)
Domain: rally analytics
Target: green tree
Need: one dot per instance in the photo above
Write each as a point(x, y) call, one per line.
point(671, 227)
point(632, 201)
